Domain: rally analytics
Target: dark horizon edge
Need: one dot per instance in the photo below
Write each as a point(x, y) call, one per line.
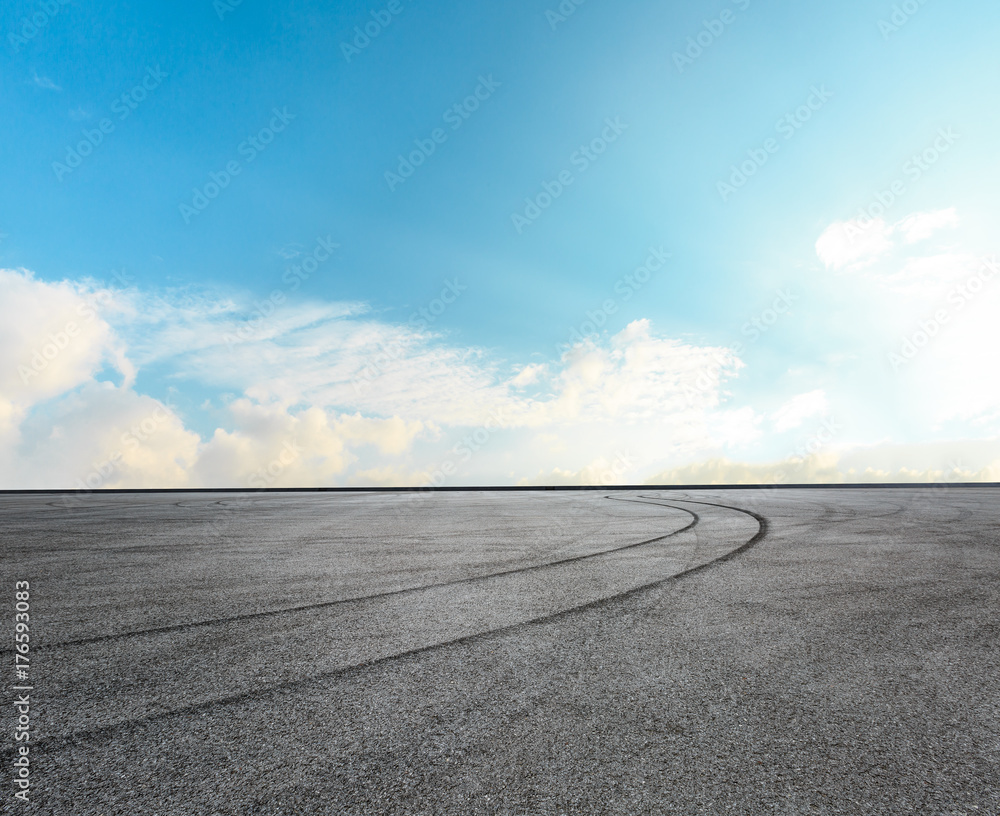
point(501, 488)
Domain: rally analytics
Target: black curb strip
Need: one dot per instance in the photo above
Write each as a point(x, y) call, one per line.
point(481, 488)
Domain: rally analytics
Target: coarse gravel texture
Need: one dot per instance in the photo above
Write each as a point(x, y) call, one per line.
point(825, 651)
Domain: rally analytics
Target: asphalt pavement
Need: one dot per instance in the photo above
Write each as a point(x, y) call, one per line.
point(825, 651)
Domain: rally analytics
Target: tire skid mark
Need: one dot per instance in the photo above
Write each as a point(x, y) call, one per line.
point(358, 599)
point(78, 737)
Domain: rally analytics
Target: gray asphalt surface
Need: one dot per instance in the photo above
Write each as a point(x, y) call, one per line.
point(731, 652)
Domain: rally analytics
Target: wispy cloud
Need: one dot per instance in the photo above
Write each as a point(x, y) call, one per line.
point(304, 373)
point(798, 409)
point(326, 393)
point(45, 82)
point(858, 243)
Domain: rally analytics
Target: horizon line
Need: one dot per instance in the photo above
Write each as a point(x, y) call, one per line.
point(500, 488)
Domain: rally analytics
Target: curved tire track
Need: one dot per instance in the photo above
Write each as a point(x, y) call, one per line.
point(357, 599)
point(358, 668)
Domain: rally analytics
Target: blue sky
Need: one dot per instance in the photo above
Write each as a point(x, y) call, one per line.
point(628, 116)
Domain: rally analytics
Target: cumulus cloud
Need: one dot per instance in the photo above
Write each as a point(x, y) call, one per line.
point(635, 377)
point(319, 393)
point(53, 339)
point(818, 468)
point(275, 446)
point(323, 393)
point(334, 355)
point(70, 416)
point(601, 471)
point(101, 436)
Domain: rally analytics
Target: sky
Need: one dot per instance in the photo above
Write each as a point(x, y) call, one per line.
point(251, 244)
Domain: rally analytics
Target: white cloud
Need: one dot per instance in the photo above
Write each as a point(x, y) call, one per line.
point(334, 356)
point(389, 476)
point(925, 277)
point(918, 226)
point(101, 436)
point(946, 370)
point(601, 471)
point(818, 467)
point(846, 243)
point(528, 375)
point(325, 354)
point(325, 394)
point(927, 313)
point(828, 467)
point(64, 422)
point(53, 339)
point(392, 436)
point(46, 83)
point(798, 409)
point(858, 243)
point(636, 377)
point(734, 428)
point(274, 446)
